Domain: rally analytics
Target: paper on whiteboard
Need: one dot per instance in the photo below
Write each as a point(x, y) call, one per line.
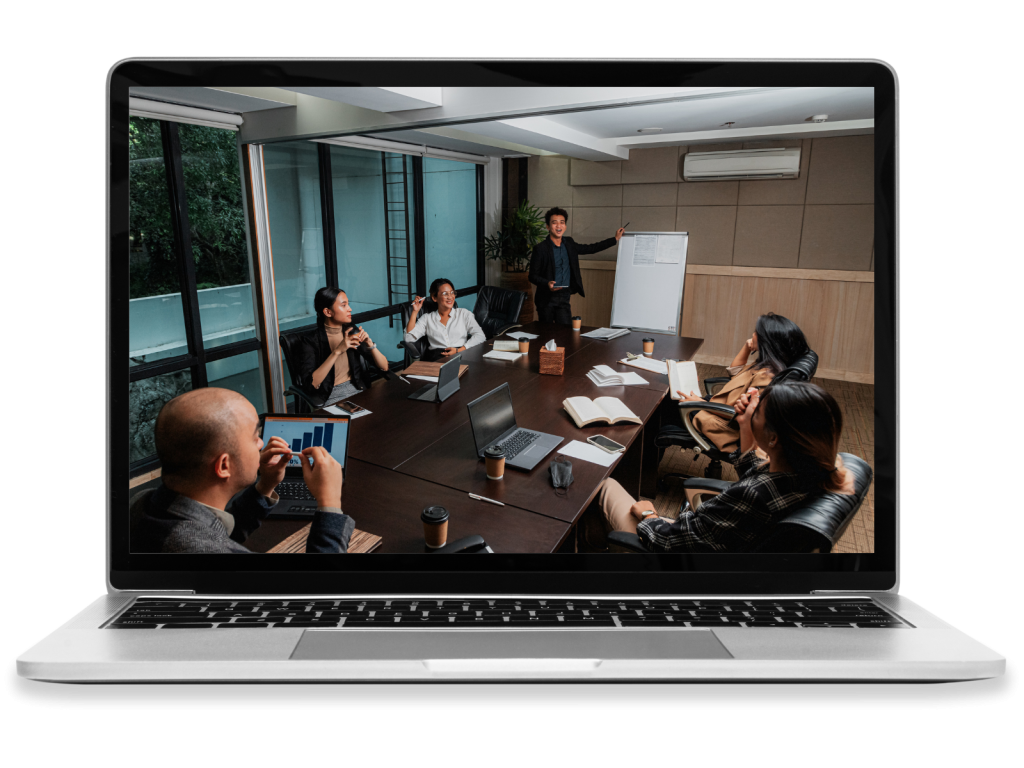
point(670, 249)
point(590, 453)
point(645, 250)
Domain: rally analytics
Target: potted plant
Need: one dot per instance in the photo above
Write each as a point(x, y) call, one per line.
point(513, 246)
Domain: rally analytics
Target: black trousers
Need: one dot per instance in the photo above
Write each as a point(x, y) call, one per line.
point(557, 310)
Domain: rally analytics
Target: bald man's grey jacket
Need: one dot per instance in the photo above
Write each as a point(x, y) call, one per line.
point(164, 521)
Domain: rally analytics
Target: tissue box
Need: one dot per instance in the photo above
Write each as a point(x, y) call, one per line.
point(552, 362)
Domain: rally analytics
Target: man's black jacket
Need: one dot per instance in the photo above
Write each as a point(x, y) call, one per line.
point(542, 266)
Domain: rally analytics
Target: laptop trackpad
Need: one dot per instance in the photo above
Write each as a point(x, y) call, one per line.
point(433, 644)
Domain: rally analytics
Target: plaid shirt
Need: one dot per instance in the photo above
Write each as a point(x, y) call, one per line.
point(735, 519)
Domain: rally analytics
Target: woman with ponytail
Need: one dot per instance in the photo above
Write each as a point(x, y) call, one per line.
point(789, 439)
point(333, 363)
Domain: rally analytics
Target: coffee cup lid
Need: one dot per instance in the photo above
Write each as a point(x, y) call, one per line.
point(434, 515)
point(577, 317)
point(494, 452)
point(650, 340)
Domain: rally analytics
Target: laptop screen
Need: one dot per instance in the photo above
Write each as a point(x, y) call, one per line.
point(491, 416)
point(303, 432)
point(360, 229)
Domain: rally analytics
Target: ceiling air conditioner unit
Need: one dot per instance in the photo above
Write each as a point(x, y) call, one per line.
point(742, 164)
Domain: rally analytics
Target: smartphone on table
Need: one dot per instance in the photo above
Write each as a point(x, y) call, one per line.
point(605, 443)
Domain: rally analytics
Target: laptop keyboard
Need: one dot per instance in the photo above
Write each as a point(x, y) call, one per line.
point(294, 491)
point(159, 613)
point(518, 443)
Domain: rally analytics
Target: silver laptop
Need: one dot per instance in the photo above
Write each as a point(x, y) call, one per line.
point(301, 432)
point(911, 644)
point(493, 421)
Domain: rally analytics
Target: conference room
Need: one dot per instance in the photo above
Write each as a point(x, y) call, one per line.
point(246, 202)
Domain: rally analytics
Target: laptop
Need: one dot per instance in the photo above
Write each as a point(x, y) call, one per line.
point(301, 432)
point(953, 573)
point(447, 383)
point(493, 422)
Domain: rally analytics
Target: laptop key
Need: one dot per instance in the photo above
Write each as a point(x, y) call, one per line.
point(131, 625)
point(188, 626)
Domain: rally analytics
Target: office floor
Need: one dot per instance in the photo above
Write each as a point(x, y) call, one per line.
point(857, 403)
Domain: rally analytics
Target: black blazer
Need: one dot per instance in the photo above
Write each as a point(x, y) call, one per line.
point(313, 349)
point(542, 265)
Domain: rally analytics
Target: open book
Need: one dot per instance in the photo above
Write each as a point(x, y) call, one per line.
point(682, 376)
point(585, 411)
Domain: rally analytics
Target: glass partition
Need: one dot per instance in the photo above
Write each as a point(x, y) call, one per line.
point(449, 217)
point(296, 229)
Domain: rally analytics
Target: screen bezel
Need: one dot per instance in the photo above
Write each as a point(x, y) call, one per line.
point(509, 573)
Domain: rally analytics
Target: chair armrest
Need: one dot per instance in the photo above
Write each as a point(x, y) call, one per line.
point(467, 544)
point(714, 383)
point(689, 408)
point(313, 404)
point(628, 541)
point(706, 484)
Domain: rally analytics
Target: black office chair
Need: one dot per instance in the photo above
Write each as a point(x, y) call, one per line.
point(815, 526)
point(420, 349)
point(689, 436)
point(467, 545)
point(497, 309)
point(305, 403)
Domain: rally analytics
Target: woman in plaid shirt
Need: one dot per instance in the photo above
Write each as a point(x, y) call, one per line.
point(796, 426)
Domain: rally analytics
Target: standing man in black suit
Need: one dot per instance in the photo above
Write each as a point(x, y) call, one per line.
point(555, 268)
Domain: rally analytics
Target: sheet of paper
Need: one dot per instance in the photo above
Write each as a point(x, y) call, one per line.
point(521, 335)
point(503, 355)
point(506, 345)
point(340, 412)
point(423, 378)
point(670, 249)
point(645, 250)
point(588, 452)
point(648, 364)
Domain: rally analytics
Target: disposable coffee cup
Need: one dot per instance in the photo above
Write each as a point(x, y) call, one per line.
point(577, 322)
point(648, 346)
point(435, 526)
point(494, 458)
point(524, 345)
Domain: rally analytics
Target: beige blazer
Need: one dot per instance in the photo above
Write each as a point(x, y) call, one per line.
point(714, 427)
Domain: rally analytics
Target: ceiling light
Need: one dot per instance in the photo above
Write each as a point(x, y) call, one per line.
point(650, 130)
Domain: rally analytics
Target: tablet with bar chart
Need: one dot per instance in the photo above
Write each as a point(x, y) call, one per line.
point(301, 432)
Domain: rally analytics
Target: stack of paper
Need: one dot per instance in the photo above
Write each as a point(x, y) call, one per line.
point(522, 335)
point(647, 364)
point(604, 376)
point(503, 345)
point(503, 355)
point(604, 334)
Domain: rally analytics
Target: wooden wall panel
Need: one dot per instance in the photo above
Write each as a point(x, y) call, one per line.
point(834, 309)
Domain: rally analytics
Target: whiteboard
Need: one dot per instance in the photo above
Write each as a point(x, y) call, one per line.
point(649, 277)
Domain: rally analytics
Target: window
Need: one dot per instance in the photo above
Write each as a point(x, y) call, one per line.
point(191, 319)
point(449, 209)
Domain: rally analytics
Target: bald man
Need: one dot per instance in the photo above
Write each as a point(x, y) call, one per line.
point(218, 481)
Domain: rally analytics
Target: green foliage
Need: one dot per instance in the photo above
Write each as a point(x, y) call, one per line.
point(514, 244)
point(214, 194)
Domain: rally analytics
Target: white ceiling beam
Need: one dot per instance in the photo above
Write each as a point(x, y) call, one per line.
point(800, 130)
point(547, 135)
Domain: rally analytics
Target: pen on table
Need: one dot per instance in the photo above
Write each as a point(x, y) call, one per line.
point(484, 498)
point(404, 379)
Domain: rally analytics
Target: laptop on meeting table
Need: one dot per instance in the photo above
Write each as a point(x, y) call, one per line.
point(523, 615)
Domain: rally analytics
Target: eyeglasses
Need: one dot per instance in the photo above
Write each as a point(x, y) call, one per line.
point(446, 294)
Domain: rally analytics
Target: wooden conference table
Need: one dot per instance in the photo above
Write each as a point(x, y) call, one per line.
point(406, 455)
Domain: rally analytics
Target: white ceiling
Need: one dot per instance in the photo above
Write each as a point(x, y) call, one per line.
point(586, 123)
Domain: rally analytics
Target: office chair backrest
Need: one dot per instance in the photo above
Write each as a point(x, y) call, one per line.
point(801, 370)
point(497, 308)
point(821, 521)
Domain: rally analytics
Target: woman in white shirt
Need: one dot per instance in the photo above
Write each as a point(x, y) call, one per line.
point(448, 330)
